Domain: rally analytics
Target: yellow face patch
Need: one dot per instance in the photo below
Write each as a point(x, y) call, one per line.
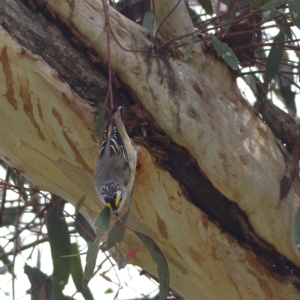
point(108, 205)
point(117, 201)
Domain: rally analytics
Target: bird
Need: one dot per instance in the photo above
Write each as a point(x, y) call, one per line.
point(116, 162)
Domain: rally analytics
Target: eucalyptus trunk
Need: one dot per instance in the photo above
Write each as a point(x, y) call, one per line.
point(209, 171)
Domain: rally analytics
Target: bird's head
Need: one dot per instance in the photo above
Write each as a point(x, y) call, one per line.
point(112, 195)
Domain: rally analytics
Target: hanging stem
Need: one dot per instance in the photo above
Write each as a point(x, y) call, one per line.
point(107, 28)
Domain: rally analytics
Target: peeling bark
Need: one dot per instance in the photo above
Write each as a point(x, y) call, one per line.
point(209, 196)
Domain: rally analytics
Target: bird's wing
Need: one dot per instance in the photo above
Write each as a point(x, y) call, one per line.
point(112, 147)
point(117, 146)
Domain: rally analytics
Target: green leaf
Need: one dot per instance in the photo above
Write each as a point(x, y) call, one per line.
point(101, 225)
point(148, 21)
point(3, 270)
point(190, 46)
point(84, 228)
point(108, 291)
point(121, 260)
point(274, 4)
point(257, 3)
point(285, 87)
point(59, 239)
point(77, 273)
point(294, 7)
point(297, 230)
point(79, 203)
point(274, 57)
point(206, 4)
point(225, 52)
point(41, 286)
point(100, 119)
point(117, 232)
point(159, 258)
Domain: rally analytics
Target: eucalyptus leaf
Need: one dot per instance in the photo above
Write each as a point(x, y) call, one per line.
point(84, 228)
point(206, 4)
point(257, 3)
point(159, 258)
point(79, 203)
point(101, 225)
point(274, 57)
point(121, 260)
point(148, 21)
point(190, 46)
point(77, 273)
point(275, 3)
point(225, 52)
point(59, 239)
point(41, 286)
point(4, 269)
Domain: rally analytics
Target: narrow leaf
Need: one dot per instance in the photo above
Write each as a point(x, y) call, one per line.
point(100, 119)
point(190, 46)
point(294, 7)
point(101, 225)
point(3, 270)
point(206, 4)
point(148, 21)
point(117, 294)
point(257, 3)
point(121, 260)
point(41, 287)
point(79, 204)
point(225, 52)
point(77, 273)
point(59, 239)
point(117, 232)
point(84, 228)
point(160, 260)
point(274, 57)
point(105, 277)
point(274, 4)
point(108, 291)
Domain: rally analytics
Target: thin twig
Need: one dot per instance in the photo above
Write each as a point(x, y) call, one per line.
point(4, 195)
point(165, 18)
point(15, 252)
point(288, 79)
point(266, 44)
point(107, 28)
